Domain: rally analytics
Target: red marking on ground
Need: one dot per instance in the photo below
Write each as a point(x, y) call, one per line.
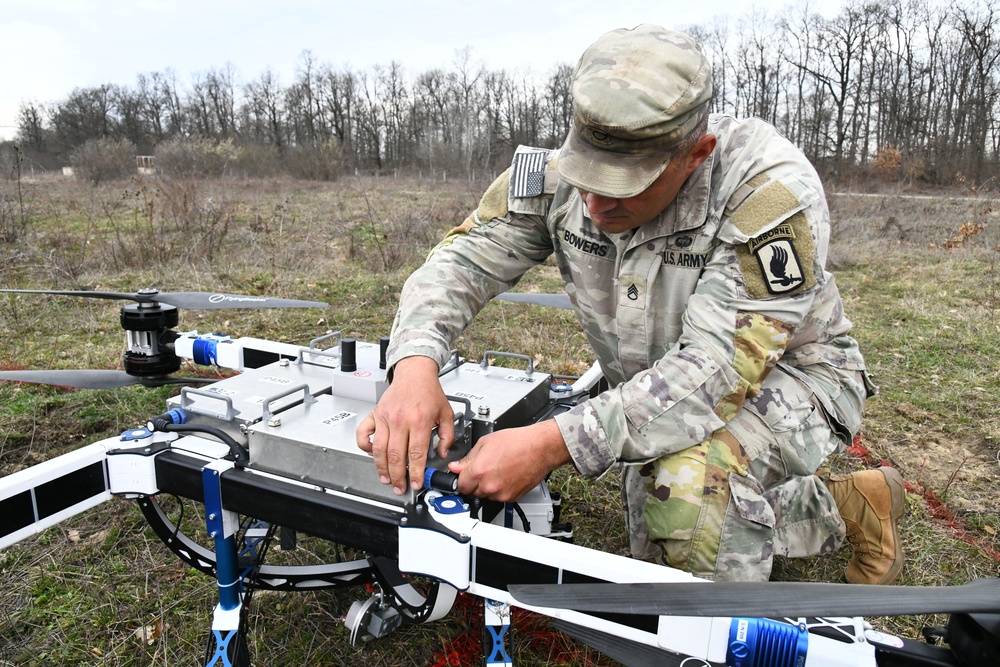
point(939, 510)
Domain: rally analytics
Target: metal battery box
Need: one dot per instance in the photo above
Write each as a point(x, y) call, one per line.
point(499, 397)
point(241, 400)
point(314, 442)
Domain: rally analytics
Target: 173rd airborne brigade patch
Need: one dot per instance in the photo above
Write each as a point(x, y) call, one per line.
point(777, 260)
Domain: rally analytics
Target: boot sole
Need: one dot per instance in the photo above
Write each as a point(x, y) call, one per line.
point(897, 492)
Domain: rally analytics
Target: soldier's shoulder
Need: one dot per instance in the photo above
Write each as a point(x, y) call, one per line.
point(526, 188)
point(767, 224)
point(533, 172)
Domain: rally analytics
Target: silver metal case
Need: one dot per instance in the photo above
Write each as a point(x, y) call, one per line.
point(240, 400)
point(315, 443)
point(500, 397)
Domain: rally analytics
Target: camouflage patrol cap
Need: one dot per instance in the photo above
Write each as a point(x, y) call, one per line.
point(636, 95)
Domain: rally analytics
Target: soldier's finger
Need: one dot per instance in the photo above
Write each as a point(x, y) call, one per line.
point(396, 459)
point(446, 434)
point(363, 434)
point(417, 457)
point(467, 481)
point(379, 448)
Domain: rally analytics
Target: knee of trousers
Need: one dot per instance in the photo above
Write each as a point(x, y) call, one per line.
point(707, 513)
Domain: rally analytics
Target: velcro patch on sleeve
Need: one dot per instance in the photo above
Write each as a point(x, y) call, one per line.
point(743, 192)
point(779, 261)
point(773, 201)
point(494, 201)
point(468, 225)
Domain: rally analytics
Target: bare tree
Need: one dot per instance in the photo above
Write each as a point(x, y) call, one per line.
point(31, 125)
point(434, 101)
point(558, 104)
point(370, 122)
point(843, 43)
point(130, 122)
point(303, 104)
point(337, 101)
point(978, 28)
point(799, 26)
point(85, 115)
point(221, 91)
point(263, 110)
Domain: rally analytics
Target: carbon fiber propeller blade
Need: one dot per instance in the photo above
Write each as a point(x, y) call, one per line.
point(218, 301)
point(553, 300)
point(94, 379)
point(188, 300)
point(764, 599)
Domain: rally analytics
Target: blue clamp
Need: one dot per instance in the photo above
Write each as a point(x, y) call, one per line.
point(449, 505)
point(134, 434)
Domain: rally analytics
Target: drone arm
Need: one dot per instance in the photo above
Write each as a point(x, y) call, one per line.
point(238, 354)
point(41, 496)
point(489, 561)
point(500, 557)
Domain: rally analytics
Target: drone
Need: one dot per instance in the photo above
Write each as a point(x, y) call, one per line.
point(275, 441)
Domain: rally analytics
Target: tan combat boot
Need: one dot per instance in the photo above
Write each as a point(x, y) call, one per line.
point(871, 503)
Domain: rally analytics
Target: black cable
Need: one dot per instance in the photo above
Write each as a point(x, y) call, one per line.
point(477, 511)
point(177, 526)
point(524, 519)
point(239, 454)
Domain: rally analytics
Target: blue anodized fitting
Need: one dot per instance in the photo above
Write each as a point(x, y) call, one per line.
point(761, 642)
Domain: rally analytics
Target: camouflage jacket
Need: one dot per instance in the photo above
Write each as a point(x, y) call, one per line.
point(687, 314)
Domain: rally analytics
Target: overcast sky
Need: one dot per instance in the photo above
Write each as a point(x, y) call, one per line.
point(53, 46)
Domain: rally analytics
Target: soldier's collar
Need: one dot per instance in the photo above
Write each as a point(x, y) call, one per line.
point(688, 211)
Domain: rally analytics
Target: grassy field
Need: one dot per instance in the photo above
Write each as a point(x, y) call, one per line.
point(920, 277)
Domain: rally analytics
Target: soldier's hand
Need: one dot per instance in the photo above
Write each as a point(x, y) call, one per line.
point(397, 433)
point(507, 464)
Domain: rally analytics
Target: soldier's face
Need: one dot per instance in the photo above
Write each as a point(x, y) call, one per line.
point(613, 216)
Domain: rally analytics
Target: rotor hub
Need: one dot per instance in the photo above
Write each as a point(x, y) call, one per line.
point(149, 339)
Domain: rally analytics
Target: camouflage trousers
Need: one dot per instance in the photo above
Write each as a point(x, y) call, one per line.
point(723, 508)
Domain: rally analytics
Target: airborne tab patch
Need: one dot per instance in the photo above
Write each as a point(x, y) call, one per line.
point(779, 261)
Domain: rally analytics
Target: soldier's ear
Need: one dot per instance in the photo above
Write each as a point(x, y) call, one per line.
point(701, 151)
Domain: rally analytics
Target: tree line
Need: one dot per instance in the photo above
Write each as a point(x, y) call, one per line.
point(909, 88)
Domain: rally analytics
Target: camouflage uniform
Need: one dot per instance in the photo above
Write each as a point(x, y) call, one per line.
point(722, 335)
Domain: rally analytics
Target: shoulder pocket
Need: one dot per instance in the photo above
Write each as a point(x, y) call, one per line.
point(773, 241)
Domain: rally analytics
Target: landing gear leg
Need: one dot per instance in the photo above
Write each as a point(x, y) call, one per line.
point(227, 644)
point(496, 634)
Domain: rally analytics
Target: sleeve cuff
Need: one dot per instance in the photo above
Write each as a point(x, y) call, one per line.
point(586, 440)
point(416, 344)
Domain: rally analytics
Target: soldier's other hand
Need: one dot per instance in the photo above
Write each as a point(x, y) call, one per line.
point(397, 433)
point(506, 464)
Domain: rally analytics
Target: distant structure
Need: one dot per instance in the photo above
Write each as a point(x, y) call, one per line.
point(144, 164)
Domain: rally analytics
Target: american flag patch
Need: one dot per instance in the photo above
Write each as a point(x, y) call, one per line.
point(528, 176)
